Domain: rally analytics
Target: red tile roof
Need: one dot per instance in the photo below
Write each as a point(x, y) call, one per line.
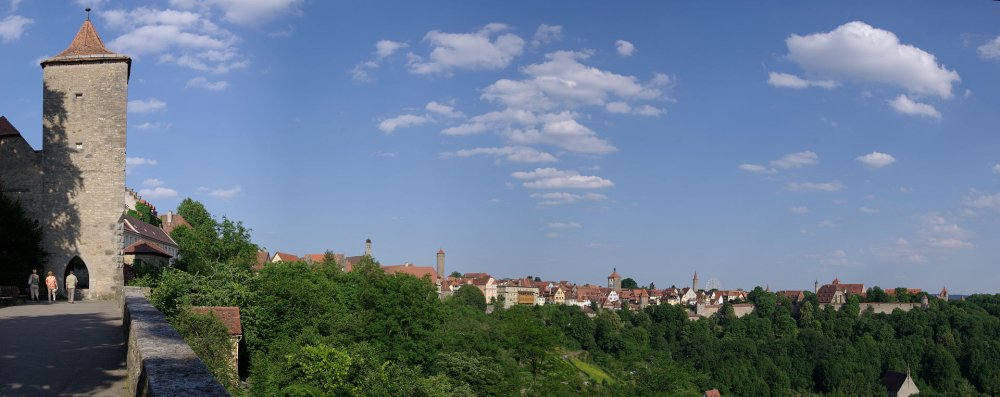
point(415, 271)
point(143, 247)
point(86, 42)
point(284, 257)
point(7, 129)
point(262, 257)
point(175, 221)
point(614, 275)
point(230, 316)
point(713, 393)
point(147, 231)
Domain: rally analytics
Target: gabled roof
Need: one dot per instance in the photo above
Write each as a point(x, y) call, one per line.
point(262, 257)
point(415, 271)
point(230, 316)
point(893, 380)
point(175, 220)
point(7, 129)
point(147, 231)
point(143, 247)
point(285, 257)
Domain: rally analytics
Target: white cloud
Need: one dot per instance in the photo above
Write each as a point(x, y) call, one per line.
point(244, 12)
point(474, 51)
point(444, 110)
point(565, 225)
point(563, 82)
point(224, 193)
point(799, 210)
point(152, 182)
point(146, 105)
point(158, 192)
point(868, 210)
point(814, 187)
point(202, 82)
point(996, 168)
point(757, 168)
point(150, 126)
point(514, 154)
point(648, 110)
point(546, 34)
point(786, 80)
point(991, 49)
point(561, 198)
point(858, 51)
point(12, 27)
point(563, 131)
point(551, 178)
point(876, 160)
point(836, 258)
point(617, 107)
point(982, 200)
point(402, 121)
point(796, 160)
point(137, 161)
point(185, 38)
point(493, 120)
point(904, 105)
point(385, 48)
point(625, 48)
point(941, 233)
point(14, 4)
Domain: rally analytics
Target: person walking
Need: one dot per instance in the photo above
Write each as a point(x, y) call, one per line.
point(53, 286)
point(70, 286)
point(33, 281)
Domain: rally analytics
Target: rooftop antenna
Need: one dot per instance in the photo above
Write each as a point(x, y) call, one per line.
point(88, 13)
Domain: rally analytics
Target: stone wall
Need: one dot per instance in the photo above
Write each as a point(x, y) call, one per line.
point(20, 172)
point(878, 307)
point(160, 363)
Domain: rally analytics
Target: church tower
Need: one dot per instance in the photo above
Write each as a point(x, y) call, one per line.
point(694, 282)
point(368, 247)
point(85, 94)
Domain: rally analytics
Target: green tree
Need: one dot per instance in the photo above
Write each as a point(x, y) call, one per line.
point(629, 283)
point(208, 241)
point(144, 212)
point(471, 296)
point(209, 339)
point(20, 243)
point(455, 275)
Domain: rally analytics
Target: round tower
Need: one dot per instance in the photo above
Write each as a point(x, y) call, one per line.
point(440, 263)
point(615, 281)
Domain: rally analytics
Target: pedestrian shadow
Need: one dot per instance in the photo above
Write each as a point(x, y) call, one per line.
point(59, 355)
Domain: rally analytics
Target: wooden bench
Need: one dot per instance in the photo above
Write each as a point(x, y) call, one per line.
point(9, 293)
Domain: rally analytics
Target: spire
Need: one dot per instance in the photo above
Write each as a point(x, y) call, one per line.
point(696, 275)
point(86, 42)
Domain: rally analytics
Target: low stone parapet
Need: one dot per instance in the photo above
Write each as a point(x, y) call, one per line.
point(160, 363)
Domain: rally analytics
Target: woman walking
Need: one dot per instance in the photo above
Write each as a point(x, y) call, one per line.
point(50, 282)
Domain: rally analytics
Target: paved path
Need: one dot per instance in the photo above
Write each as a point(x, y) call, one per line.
point(62, 349)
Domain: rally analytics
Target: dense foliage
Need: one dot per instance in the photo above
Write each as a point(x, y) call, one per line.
point(209, 241)
point(20, 243)
point(312, 329)
point(144, 212)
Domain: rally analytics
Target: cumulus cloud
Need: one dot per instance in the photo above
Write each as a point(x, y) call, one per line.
point(222, 192)
point(904, 105)
point(514, 154)
point(939, 232)
point(786, 80)
point(551, 178)
point(402, 121)
point(796, 160)
point(996, 168)
point(158, 192)
point(625, 48)
point(876, 160)
point(757, 169)
point(799, 210)
point(146, 105)
point(563, 131)
point(565, 225)
point(137, 161)
point(814, 187)
point(244, 12)
point(385, 48)
point(202, 82)
point(150, 126)
point(977, 200)
point(152, 182)
point(562, 198)
point(546, 34)
point(859, 52)
point(868, 210)
point(991, 49)
point(444, 110)
point(185, 38)
point(474, 51)
point(12, 27)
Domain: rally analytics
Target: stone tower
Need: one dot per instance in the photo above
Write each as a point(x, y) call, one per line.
point(85, 94)
point(368, 247)
point(614, 280)
point(440, 263)
point(694, 282)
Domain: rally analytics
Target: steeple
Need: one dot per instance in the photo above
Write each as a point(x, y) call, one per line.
point(87, 45)
point(694, 282)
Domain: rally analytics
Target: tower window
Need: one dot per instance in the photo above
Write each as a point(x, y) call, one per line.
point(79, 95)
point(79, 146)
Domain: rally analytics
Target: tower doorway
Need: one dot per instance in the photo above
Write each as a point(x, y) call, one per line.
point(79, 269)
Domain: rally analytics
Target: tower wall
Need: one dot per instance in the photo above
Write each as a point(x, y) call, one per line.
point(440, 265)
point(84, 135)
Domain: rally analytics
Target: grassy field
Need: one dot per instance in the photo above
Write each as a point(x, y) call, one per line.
point(595, 373)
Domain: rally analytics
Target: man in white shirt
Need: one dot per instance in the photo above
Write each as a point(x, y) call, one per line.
point(70, 286)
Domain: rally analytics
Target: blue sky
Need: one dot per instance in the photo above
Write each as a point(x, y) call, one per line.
point(771, 143)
